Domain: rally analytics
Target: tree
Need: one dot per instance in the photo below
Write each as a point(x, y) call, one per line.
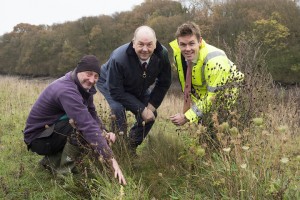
point(271, 33)
point(67, 58)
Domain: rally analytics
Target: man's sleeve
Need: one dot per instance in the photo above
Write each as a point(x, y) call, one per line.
point(71, 101)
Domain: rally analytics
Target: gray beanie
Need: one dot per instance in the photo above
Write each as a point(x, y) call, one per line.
point(88, 63)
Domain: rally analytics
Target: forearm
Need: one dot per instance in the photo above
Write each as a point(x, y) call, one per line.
point(199, 108)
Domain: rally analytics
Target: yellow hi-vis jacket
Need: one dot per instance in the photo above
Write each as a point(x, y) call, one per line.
point(212, 72)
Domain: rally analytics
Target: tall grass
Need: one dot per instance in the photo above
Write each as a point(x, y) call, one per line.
point(255, 154)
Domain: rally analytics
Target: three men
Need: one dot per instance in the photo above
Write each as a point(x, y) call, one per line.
point(136, 78)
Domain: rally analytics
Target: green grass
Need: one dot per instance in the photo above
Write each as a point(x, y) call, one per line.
point(261, 161)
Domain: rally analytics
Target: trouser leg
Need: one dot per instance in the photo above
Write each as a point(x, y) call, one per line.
point(58, 152)
point(53, 142)
point(118, 119)
point(139, 131)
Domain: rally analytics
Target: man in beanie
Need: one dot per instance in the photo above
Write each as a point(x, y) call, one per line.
point(68, 99)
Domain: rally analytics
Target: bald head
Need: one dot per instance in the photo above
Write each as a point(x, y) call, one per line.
point(144, 31)
point(144, 42)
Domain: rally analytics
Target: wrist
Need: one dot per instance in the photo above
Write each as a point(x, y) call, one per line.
point(144, 110)
point(151, 107)
point(185, 119)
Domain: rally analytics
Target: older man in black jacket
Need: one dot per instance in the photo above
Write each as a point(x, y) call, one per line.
point(126, 78)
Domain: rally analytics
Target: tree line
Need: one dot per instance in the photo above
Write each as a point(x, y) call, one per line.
point(52, 50)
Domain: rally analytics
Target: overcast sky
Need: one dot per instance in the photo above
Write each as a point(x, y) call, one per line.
point(38, 12)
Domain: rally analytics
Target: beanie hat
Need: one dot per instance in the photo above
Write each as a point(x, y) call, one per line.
point(88, 63)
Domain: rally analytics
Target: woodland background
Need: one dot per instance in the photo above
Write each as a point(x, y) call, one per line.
point(46, 50)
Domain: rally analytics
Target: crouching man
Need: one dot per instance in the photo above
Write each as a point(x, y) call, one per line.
point(68, 99)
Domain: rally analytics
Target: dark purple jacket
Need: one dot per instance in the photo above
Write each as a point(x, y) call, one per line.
point(66, 96)
point(125, 81)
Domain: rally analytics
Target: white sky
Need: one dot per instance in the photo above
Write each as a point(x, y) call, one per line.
point(38, 12)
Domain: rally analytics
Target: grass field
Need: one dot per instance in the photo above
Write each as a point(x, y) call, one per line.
point(257, 161)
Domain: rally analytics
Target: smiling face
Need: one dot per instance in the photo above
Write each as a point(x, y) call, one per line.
point(87, 79)
point(189, 46)
point(144, 42)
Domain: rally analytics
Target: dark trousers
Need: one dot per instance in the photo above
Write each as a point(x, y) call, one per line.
point(139, 131)
point(53, 139)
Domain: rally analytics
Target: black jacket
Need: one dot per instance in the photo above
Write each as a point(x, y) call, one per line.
point(126, 83)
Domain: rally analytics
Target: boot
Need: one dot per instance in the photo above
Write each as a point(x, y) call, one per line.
point(69, 156)
point(51, 162)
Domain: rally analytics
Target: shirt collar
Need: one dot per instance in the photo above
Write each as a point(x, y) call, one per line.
point(194, 61)
point(147, 61)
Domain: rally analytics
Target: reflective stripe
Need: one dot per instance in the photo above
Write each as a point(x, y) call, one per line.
point(213, 89)
point(197, 111)
point(207, 58)
point(213, 54)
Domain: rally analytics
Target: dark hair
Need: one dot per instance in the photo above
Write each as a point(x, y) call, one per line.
point(188, 28)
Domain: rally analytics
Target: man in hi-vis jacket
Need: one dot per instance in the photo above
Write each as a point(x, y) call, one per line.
point(203, 71)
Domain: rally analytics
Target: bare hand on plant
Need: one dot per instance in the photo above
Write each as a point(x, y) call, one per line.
point(111, 137)
point(117, 172)
point(179, 119)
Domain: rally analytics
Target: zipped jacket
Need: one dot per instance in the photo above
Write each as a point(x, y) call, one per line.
point(211, 73)
point(128, 82)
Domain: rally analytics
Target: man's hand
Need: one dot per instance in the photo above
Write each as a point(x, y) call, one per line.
point(148, 115)
point(179, 119)
point(111, 137)
point(117, 172)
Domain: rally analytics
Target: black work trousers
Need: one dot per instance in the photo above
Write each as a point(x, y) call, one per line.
point(53, 139)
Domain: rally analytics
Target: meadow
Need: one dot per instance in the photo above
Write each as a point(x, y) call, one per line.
point(255, 158)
